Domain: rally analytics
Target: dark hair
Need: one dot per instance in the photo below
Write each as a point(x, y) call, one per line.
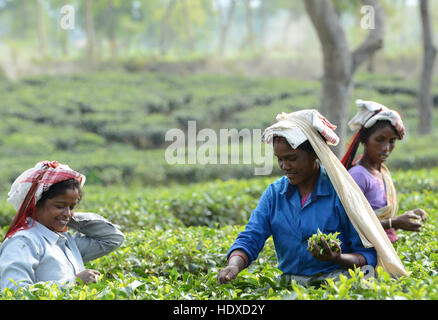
point(60, 188)
point(365, 133)
point(362, 136)
point(305, 146)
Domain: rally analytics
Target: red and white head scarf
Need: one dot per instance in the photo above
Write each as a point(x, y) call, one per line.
point(28, 188)
point(369, 112)
point(285, 127)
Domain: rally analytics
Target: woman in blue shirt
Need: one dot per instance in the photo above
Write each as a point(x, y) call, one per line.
point(292, 209)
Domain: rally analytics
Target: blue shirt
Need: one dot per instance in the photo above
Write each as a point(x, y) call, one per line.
point(279, 213)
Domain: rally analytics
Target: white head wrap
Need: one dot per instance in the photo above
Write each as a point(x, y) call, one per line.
point(294, 135)
point(369, 112)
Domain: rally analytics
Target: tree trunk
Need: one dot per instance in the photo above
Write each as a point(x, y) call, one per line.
point(188, 27)
point(64, 44)
point(225, 27)
point(424, 99)
point(164, 41)
point(91, 38)
point(249, 26)
point(42, 40)
point(64, 38)
point(339, 64)
point(371, 63)
point(112, 29)
point(262, 17)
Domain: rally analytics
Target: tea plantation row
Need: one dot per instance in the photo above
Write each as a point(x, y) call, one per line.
point(205, 204)
point(108, 125)
point(171, 254)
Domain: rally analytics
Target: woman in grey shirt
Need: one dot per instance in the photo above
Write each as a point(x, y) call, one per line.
point(37, 246)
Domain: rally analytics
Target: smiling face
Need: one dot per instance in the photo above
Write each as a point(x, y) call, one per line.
point(380, 144)
point(54, 213)
point(298, 165)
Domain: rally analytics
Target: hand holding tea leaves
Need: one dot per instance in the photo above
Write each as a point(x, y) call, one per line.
point(228, 274)
point(87, 276)
point(236, 262)
point(324, 247)
point(410, 221)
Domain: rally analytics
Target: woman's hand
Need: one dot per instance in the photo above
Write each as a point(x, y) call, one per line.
point(236, 262)
point(346, 260)
point(228, 274)
point(88, 275)
point(327, 253)
point(410, 220)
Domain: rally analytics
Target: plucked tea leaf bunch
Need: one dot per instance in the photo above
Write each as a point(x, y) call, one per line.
point(316, 237)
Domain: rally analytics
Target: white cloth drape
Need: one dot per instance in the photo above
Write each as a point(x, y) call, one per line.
point(355, 204)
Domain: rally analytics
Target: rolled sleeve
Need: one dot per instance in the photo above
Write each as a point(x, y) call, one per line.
point(370, 256)
point(96, 236)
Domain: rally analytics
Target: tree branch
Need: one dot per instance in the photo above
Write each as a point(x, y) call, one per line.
point(424, 98)
point(374, 40)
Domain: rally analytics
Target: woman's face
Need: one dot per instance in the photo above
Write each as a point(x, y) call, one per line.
point(55, 213)
point(299, 165)
point(380, 144)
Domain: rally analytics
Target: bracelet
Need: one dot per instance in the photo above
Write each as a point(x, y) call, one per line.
point(361, 260)
point(390, 223)
point(239, 255)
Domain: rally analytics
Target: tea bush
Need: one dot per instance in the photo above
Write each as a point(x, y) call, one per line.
point(108, 126)
point(163, 258)
point(111, 125)
point(214, 203)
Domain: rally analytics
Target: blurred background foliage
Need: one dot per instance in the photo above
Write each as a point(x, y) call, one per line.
point(245, 36)
point(101, 95)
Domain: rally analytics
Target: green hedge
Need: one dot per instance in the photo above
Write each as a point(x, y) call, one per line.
point(213, 204)
point(106, 124)
point(164, 259)
point(183, 263)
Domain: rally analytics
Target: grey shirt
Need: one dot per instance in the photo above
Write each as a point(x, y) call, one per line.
point(40, 255)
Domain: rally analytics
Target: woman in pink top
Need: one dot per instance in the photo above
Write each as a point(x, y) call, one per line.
point(378, 128)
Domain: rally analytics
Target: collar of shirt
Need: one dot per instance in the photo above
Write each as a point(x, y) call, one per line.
point(322, 187)
point(72, 257)
point(48, 234)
